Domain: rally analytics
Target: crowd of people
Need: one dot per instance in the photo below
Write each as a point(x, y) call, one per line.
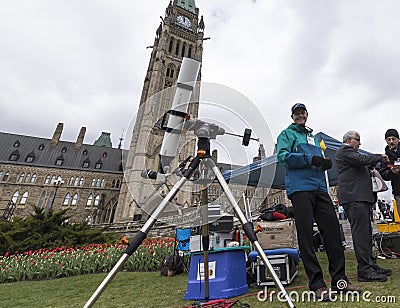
point(299, 151)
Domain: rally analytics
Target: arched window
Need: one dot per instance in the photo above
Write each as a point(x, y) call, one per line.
point(1, 174)
point(21, 177)
point(102, 183)
point(66, 199)
point(89, 200)
point(28, 178)
point(33, 179)
point(15, 196)
point(74, 199)
point(24, 198)
point(113, 183)
point(47, 179)
point(49, 201)
point(6, 176)
point(94, 182)
point(183, 50)
point(190, 51)
point(81, 182)
point(76, 181)
point(89, 219)
point(170, 70)
point(41, 199)
point(71, 181)
point(177, 47)
point(117, 186)
point(98, 183)
point(171, 44)
point(53, 179)
point(97, 200)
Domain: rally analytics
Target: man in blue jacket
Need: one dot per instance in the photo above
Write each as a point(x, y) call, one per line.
point(299, 152)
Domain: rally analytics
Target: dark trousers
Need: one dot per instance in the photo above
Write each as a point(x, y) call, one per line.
point(361, 231)
point(309, 206)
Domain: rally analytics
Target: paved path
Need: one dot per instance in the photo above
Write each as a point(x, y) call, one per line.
point(347, 232)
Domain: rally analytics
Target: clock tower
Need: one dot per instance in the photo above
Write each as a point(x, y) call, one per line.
point(179, 35)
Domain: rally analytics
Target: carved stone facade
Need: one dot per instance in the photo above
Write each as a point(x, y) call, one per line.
point(55, 174)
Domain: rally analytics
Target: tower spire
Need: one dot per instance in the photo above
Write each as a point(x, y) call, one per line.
point(121, 139)
point(178, 36)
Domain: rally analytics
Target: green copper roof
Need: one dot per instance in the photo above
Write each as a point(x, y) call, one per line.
point(104, 140)
point(188, 5)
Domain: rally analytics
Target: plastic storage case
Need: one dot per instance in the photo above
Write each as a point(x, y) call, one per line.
point(227, 274)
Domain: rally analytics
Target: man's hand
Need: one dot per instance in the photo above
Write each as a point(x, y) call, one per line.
point(395, 169)
point(327, 165)
point(324, 163)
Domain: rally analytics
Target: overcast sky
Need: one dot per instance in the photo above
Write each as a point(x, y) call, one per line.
point(83, 62)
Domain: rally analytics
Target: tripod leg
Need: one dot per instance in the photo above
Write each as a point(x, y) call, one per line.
point(249, 230)
point(141, 235)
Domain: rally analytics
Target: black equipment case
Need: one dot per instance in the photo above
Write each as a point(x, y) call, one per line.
point(222, 224)
point(216, 224)
point(387, 242)
point(284, 266)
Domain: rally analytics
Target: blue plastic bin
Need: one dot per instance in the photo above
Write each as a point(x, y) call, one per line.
point(227, 267)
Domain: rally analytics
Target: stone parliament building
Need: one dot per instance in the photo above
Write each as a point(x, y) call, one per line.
point(102, 184)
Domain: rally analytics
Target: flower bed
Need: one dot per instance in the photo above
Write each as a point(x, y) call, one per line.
point(70, 261)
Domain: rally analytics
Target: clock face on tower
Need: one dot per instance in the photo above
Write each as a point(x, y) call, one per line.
point(184, 22)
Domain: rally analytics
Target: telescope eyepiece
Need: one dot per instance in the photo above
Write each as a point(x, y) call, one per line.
point(149, 174)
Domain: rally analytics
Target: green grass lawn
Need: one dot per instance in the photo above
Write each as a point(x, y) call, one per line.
point(135, 289)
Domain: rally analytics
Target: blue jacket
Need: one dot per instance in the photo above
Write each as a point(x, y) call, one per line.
point(295, 148)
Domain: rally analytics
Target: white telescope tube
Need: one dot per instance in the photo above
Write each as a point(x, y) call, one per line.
point(186, 81)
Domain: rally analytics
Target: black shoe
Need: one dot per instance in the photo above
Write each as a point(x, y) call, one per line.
point(322, 294)
point(382, 271)
point(372, 277)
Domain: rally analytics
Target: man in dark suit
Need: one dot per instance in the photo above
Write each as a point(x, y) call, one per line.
point(356, 196)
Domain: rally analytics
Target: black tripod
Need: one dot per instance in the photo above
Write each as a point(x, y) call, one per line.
point(203, 153)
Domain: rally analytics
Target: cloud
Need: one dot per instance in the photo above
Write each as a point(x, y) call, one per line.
point(84, 62)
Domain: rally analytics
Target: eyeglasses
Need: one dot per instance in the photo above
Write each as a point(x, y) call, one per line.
point(358, 139)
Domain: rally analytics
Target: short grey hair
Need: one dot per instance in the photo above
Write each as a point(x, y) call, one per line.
point(349, 135)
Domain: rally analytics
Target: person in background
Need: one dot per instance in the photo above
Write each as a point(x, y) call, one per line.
point(371, 212)
point(381, 207)
point(356, 197)
point(342, 215)
point(391, 169)
point(299, 151)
